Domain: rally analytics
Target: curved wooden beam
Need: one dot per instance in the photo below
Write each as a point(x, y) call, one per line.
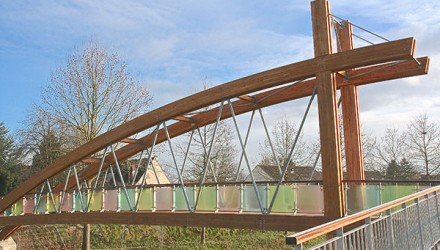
point(375, 54)
point(268, 98)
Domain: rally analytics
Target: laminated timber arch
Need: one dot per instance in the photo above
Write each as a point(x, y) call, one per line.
point(375, 63)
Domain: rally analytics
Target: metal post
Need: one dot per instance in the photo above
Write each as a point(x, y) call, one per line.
point(187, 151)
point(101, 164)
point(419, 223)
point(292, 149)
point(209, 154)
point(245, 143)
point(79, 189)
point(340, 241)
point(430, 220)
point(208, 161)
point(263, 210)
point(122, 178)
point(144, 178)
point(51, 195)
point(390, 229)
point(177, 168)
point(275, 157)
point(369, 235)
point(64, 189)
point(405, 222)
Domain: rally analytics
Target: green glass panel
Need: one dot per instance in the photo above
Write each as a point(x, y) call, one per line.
point(208, 199)
point(406, 189)
point(284, 201)
point(250, 202)
point(123, 201)
point(95, 201)
point(17, 208)
point(372, 196)
point(389, 193)
point(79, 201)
point(7, 212)
point(146, 200)
point(42, 204)
point(50, 205)
point(180, 201)
point(229, 198)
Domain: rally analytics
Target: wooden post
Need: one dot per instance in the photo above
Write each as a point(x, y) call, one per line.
point(352, 130)
point(334, 204)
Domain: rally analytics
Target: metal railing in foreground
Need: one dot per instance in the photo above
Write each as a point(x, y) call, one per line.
point(411, 222)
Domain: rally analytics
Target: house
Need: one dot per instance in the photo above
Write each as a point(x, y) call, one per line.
point(294, 173)
point(154, 175)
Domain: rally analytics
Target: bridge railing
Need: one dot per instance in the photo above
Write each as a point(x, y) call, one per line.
point(292, 198)
point(365, 194)
point(411, 222)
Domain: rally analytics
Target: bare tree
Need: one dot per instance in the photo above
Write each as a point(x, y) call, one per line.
point(390, 148)
point(223, 153)
point(93, 93)
point(423, 142)
point(283, 137)
point(90, 94)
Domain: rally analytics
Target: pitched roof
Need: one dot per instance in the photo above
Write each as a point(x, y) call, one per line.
point(295, 173)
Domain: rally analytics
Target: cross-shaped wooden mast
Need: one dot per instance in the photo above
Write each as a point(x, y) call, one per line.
point(327, 83)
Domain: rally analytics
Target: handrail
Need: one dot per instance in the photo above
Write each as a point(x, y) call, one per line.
point(332, 226)
point(392, 181)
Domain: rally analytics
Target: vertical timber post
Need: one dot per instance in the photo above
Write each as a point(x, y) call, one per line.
point(350, 116)
point(334, 204)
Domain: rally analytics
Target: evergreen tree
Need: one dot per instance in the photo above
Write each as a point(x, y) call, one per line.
point(403, 170)
point(9, 162)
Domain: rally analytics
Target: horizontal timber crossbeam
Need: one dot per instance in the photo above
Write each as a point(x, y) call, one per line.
point(220, 220)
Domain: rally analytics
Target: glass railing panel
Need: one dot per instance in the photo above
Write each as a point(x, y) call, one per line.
point(79, 201)
point(372, 195)
point(67, 205)
point(406, 189)
point(250, 202)
point(229, 198)
point(95, 201)
point(17, 208)
point(8, 212)
point(51, 207)
point(164, 198)
point(356, 197)
point(29, 204)
point(310, 199)
point(180, 201)
point(208, 199)
point(41, 204)
point(125, 201)
point(285, 199)
point(389, 192)
point(110, 202)
point(146, 200)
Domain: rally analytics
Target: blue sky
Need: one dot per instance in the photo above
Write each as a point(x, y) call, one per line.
point(173, 46)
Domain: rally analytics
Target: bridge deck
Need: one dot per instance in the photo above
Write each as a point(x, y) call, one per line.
point(280, 222)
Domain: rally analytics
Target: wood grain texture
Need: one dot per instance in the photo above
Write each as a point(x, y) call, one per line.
point(220, 220)
point(334, 201)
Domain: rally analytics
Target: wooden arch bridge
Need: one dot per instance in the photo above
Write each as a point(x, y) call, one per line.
point(233, 205)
